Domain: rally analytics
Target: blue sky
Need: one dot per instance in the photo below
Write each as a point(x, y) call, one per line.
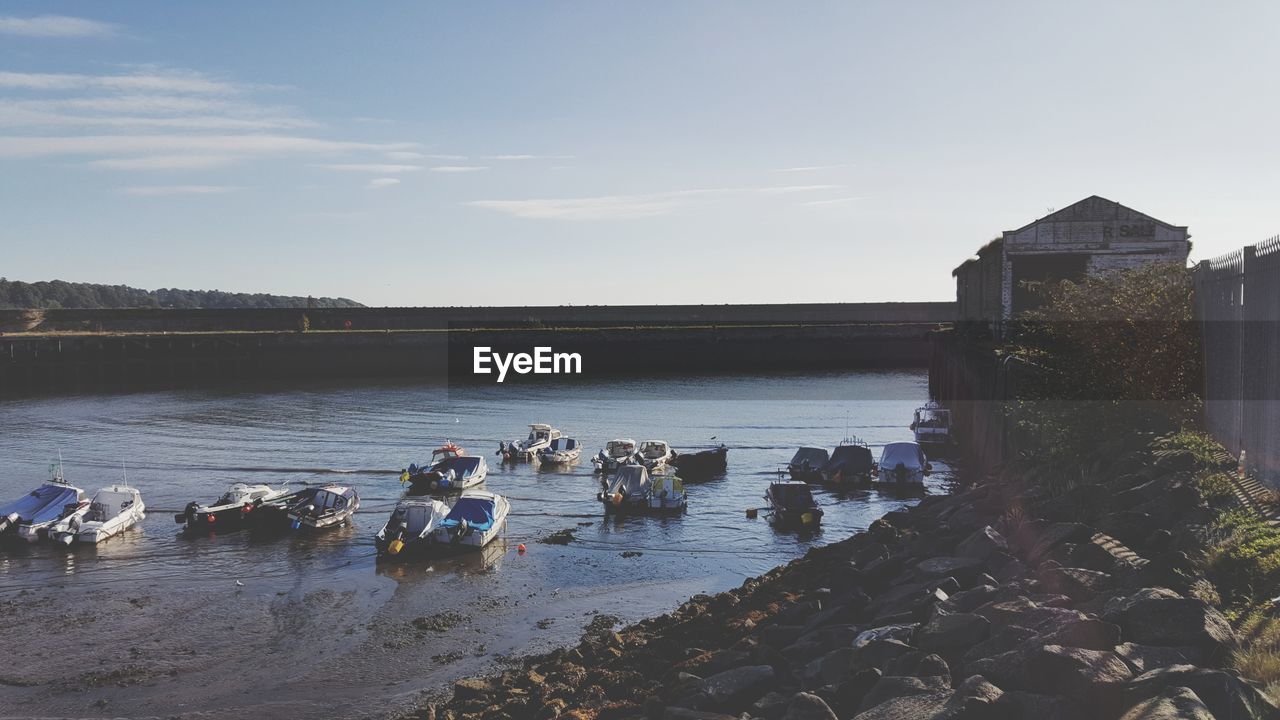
point(413, 153)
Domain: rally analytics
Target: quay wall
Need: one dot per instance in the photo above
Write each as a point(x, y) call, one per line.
point(967, 376)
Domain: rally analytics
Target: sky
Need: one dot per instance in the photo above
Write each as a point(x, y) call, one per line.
point(587, 153)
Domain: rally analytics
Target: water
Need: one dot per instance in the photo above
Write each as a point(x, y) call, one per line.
point(310, 625)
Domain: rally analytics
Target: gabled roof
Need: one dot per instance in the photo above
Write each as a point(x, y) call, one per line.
point(1097, 209)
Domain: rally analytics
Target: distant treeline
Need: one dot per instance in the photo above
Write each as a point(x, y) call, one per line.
point(59, 294)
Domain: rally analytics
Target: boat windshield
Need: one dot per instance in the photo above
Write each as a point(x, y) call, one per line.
point(796, 495)
point(928, 418)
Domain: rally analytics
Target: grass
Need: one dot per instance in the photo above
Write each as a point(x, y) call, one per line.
point(1258, 657)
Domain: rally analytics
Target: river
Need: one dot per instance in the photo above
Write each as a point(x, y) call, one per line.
point(154, 623)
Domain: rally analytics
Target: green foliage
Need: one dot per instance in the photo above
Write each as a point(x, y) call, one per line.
point(59, 294)
point(1245, 562)
point(1258, 657)
point(1207, 452)
point(1111, 354)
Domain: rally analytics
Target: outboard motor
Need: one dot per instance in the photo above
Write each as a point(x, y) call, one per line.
point(188, 514)
point(9, 522)
point(900, 472)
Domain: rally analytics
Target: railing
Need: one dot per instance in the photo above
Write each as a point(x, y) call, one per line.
point(1238, 308)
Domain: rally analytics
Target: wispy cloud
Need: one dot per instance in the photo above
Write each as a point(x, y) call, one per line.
point(251, 144)
point(834, 201)
point(165, 162)
point(379, 168)
point(144, 80)
point(627, 207)
point(377, 183)
point(54, 26)
point(527, 157)
point(459, 168)
point(157, 190)
point(808, 168)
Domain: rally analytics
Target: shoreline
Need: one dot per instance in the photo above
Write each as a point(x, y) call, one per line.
point(988, 602)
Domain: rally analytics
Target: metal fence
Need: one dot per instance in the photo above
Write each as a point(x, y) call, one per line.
point(1238, 307)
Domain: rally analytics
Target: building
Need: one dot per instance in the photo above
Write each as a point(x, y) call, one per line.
point(1089, 237)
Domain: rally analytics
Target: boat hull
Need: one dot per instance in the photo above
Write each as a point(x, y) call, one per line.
point(702, 464)
point(445, 541)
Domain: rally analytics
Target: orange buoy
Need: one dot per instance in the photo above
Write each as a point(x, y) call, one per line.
point(520, 548)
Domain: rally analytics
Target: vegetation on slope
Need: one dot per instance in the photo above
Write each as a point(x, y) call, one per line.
point(59, 294)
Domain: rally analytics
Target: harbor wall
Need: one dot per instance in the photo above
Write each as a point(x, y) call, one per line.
point(969, 377)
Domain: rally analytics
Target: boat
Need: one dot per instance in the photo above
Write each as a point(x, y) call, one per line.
point(806, 464)
point(654, 454)
point(666, 494)
point(474, 520)
point(411, 527)
point(615, 454)
point(237, 506)
point(540, 437)
point(112, 511)
point(451, 470)
point(561, 451)
point(791, 503)
point(323, 507)
point(932, 424)
point(627, 492)
point(31, 516)
point(702, 464)
point(902, 464)
point(850, 463)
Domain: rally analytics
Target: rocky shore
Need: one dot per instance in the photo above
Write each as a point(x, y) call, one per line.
point(994, 602)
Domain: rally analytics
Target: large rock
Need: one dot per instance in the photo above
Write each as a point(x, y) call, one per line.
point(879, 653)
point(1038, 538)
point(950, 634)
point(1226, 695)
point(973, 699)
point(1076, 672)
point(1171, 622)
point(1022, 705)
point(982, 544)
point(804, 706)
point(963, 569)
point(738, 686)
point(890, 686)
point(1144, 658)
point(1174, 703)
point(680, 713)
point(969, 600)
point(1090, 633)
point(830, 669)
point(1029, 614)
point(1076, 583)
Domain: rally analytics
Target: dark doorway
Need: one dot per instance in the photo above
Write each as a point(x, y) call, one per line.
point(1043, 269)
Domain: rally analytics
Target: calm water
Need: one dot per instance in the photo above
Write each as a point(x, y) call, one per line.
point(154, 623)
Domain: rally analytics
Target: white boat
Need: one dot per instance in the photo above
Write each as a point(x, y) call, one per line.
point(474, 521)
point(33, 515)
point(411, 526)
point(561, 451)
point(902, 464)
point(627, 492)
point(323, 507)
point(615, 454)
point(454, 470)
point(540, 437)
point(236, 507)
point(932, 424)
point(112, 511)
point(654, 454)
point(666, 494)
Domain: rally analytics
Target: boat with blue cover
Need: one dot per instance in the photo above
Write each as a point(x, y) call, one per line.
point(31, 516)
point(561, 451)
point(806, 464)
point(851, 463)
point(411, 528)
point(474, 521)
point(451, 470)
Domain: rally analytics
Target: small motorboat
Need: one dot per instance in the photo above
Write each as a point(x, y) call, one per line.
point(932, 424)
point(411, 527)
point(851, 463)
point(540, 437)
point(791, 503)
point(902, 464)
point(113, 510)
point(474, 520)
point(561, 451)
point(615, 454)
point(702, 464)
point(806, 464)
point(654, 454)
point(323, 507)
point(451, 470)
point(666, 494)
point(32, 516)
point(236, 507)
point(628, 492)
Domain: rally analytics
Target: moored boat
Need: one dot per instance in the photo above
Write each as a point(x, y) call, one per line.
point(654, 454)
point(241, 503)
point(851, 463)
point(702, 464)
point(411, 528)
point(806, 464)
point(474, 521)
point(932, 424)
point(451, 470)
point(791, 503)
point(31, 517)
point(615, 454)
point(902, 464)
point(540, 437)
point(561, 451)
point(666, 494)
point(628, 491)
point(323, 507)
point(112, 511)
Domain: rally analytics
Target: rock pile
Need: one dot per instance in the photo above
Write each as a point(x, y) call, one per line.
point(957, 608)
